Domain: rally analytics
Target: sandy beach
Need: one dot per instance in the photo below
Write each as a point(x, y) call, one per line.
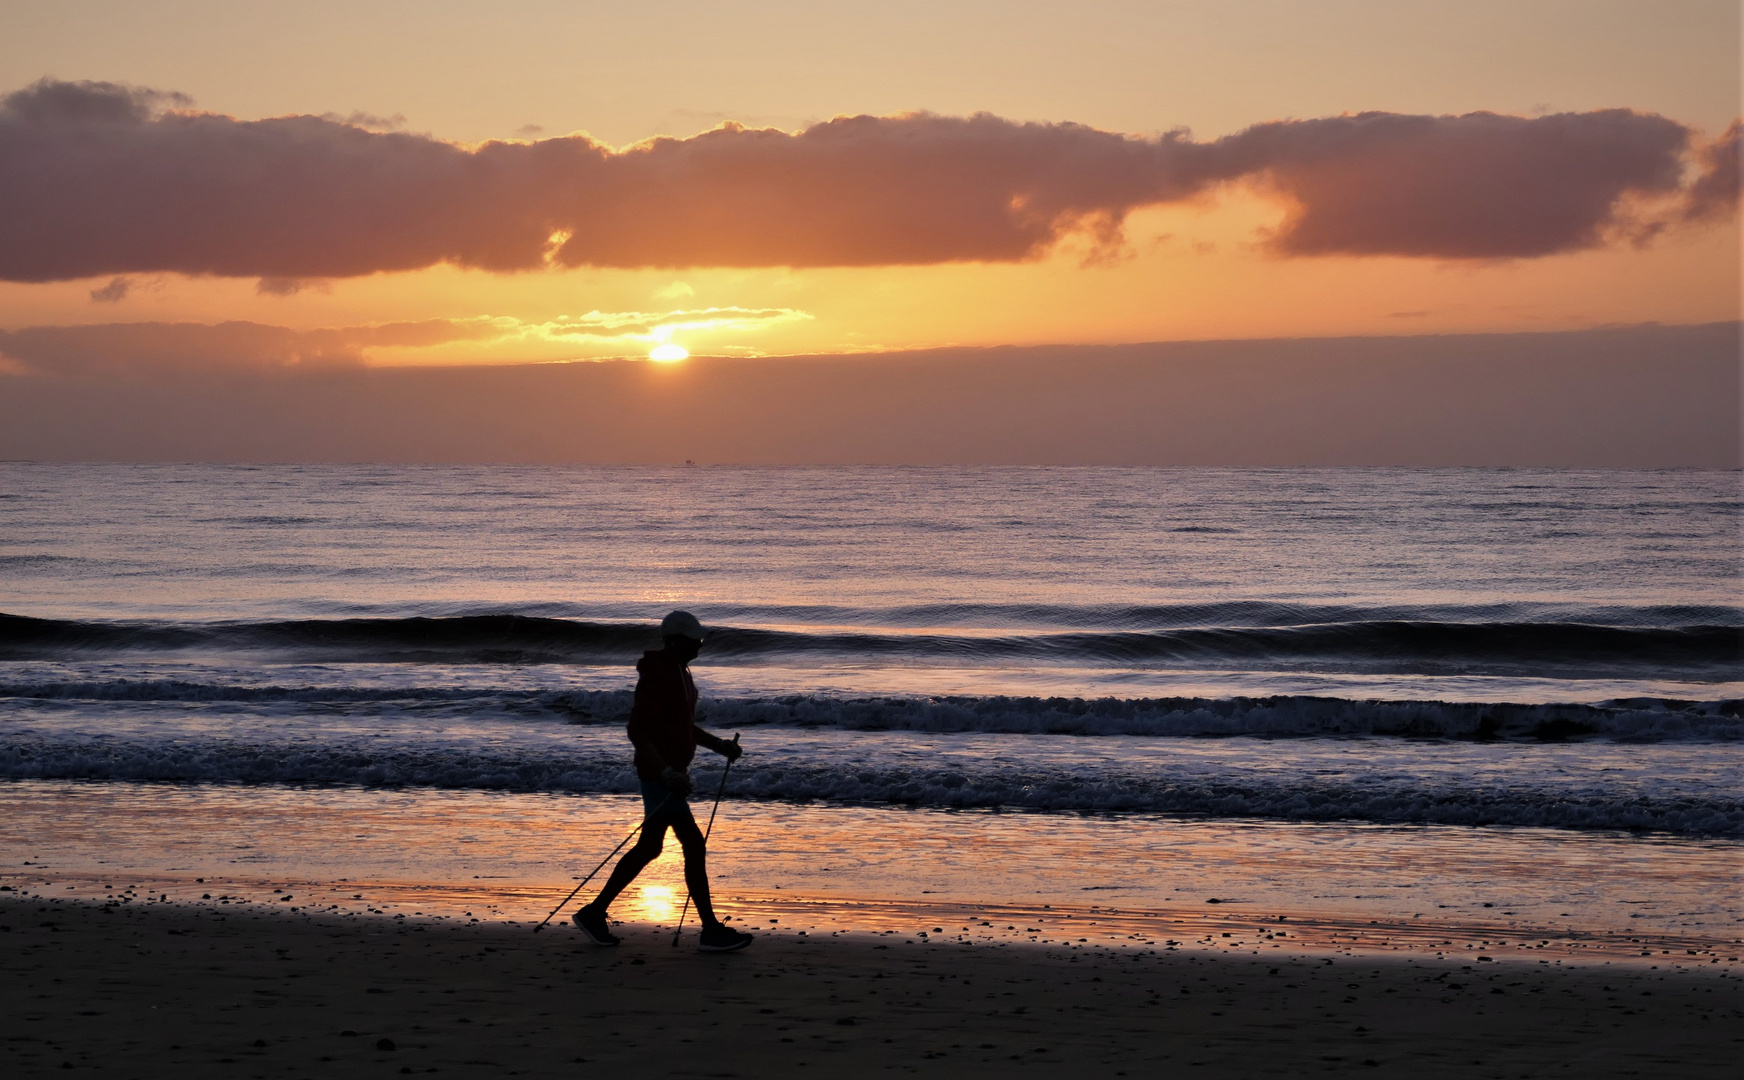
point(158, 989)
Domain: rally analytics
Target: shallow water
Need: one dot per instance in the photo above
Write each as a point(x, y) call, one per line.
point(1122, 878)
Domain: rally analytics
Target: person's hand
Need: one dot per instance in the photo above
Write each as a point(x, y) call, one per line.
point(731, 750)
point(678, 782)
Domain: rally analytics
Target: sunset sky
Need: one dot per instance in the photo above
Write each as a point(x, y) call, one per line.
point(236, 187)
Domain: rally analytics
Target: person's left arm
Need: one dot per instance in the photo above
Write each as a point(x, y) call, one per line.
point(726, 748)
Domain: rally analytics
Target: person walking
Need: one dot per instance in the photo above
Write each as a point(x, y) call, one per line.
point(664, 732)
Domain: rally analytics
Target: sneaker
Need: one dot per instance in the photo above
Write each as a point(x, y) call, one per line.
point(722, 938)
point(593, 923)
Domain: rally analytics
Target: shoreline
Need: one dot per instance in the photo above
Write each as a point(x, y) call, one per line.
point(1223, 929)
point(507, 856)
point(160, 988)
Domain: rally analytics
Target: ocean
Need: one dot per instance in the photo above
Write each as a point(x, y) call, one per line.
point(1138, 682)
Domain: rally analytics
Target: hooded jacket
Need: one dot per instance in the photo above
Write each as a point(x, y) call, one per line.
point(663, 714)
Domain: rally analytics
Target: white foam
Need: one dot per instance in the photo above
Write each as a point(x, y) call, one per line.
point(1688, 789)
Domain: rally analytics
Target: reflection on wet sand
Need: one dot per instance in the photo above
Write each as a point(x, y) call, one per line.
point(912, 877)
point(652, 909)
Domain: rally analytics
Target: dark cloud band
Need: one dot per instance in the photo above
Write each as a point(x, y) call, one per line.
point(99, 179)
point(149, 349)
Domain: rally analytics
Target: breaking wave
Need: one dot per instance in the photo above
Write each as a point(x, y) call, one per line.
point(1283, 716)
point(1118, 754)
point(1705, 649)
point(981, 785)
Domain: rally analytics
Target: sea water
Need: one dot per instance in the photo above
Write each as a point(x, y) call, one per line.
point(1412, 659)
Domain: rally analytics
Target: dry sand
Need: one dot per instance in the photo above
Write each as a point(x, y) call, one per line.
point(167, 990)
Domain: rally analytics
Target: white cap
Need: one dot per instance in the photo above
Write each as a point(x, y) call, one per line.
point(681, 624)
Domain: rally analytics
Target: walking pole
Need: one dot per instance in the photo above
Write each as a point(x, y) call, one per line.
point(601, 866)
point(705, 835)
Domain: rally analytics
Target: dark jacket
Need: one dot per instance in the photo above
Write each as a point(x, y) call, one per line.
point(663, 715)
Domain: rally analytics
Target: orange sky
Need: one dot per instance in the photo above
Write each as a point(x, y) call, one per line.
point(1215, 261)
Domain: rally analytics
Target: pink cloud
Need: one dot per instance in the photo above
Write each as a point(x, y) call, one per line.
point(100, 179)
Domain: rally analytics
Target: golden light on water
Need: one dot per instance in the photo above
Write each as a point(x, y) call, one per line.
point(668, 353)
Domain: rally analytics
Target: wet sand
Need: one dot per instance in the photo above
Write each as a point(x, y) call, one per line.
point(162, 989)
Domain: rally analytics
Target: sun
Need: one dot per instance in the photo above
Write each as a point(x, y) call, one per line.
point(668, 353)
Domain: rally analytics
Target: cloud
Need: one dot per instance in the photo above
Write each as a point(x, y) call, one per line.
point(367, 120)
point(110, 350)
point(126, 350)
point(102, 179)
point(112, 293)
point(53, 101)
point(1556, 399)
point(288, 286)
point(1479, 186)
point(1714, 194)
point(639, 324)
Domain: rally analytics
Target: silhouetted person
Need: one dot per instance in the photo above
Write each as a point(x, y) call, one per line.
point(664, 732)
